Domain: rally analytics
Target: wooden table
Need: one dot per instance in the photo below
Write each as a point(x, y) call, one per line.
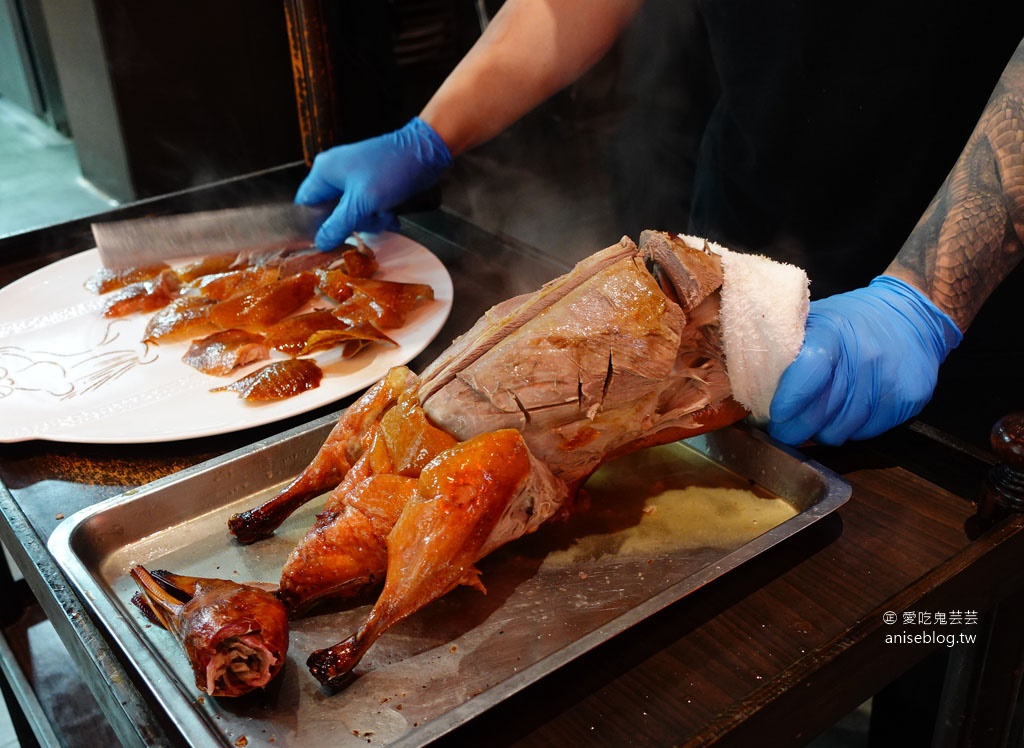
point(772, 653)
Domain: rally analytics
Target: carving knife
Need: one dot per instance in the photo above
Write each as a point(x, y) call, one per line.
point(258, 228)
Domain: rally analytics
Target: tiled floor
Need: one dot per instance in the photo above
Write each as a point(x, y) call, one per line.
point(40, 182)
point(7, 737)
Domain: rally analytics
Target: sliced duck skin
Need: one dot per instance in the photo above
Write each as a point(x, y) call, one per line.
point(221, 352)
point(106, 279)
point(277, 380)
point(267, 304)
point(144, 296)
point(184, 317)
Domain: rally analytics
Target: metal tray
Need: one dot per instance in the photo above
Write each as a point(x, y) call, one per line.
point(551, 596)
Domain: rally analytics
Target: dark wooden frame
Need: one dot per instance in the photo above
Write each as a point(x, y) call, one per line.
point(314, 77)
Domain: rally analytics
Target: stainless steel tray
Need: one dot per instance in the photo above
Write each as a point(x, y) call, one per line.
point(551, 596)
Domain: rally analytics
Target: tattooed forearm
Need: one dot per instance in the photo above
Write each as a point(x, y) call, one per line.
point(972, 234)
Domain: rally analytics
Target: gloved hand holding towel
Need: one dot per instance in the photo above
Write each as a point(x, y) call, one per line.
point(850, 366)
point(869, 362)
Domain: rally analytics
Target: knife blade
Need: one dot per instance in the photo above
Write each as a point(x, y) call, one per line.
point(257, 228)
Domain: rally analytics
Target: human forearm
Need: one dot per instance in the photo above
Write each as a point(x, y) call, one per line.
point(531, 50)
point(972, 234)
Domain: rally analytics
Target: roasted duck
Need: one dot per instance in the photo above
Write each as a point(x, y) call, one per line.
point(346, 551)
point(235, 636)
point(428, 474)
point(210, 265)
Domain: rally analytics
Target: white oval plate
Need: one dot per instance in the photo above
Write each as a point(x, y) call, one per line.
point(69, 374)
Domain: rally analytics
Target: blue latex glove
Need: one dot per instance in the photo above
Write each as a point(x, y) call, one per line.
point(869, 362)
point(371, 177)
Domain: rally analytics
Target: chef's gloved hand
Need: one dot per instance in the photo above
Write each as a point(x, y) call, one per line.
point(371, 177)
point(869, 362)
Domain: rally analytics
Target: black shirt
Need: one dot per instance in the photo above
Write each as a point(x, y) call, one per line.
point(815, 132)
point(837, 122)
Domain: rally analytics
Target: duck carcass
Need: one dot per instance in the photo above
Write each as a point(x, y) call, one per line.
point(427, 474)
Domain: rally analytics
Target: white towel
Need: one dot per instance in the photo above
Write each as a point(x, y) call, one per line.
point(763, 318)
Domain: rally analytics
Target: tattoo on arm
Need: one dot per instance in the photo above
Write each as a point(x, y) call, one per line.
point(972, 234)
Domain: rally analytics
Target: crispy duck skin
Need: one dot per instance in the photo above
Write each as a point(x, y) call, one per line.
point(209, 265)
point(350, 339)
point(276, 380)
point(387, 304)
point(357, 261)
point(307, 333)
point(106, 280)
point(185, 316)
point(222, 352)
point(235, 636)
point(469, 500)
point(339, 452)
point(267, 304)
point(230, 283)
point(143, 296)
point(346, 550)
point(290, 334)
point(307, 261)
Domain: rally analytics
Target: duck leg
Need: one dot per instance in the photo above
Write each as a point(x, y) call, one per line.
point(339, 452)
point(471, 499)
point(345, 552)
point(235, 635)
